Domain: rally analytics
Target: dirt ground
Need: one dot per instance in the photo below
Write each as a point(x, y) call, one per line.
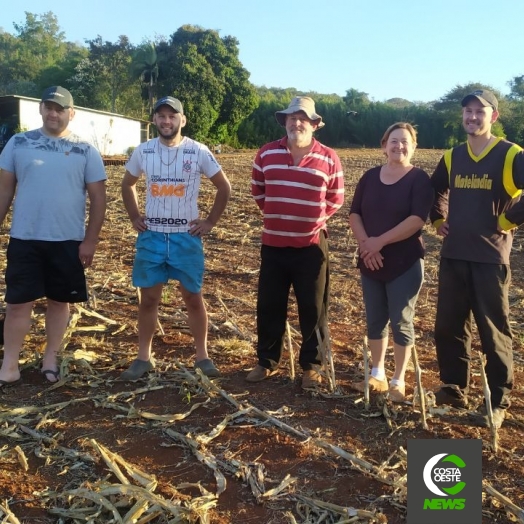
point(175, 447)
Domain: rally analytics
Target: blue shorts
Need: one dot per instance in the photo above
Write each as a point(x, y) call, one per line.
point(169, 256)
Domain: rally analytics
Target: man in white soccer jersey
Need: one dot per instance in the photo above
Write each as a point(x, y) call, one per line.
point(169, 243)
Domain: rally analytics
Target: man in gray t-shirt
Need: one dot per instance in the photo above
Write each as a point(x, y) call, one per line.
point(48, 173)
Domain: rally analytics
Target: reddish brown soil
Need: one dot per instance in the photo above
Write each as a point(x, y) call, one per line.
point(56, 427)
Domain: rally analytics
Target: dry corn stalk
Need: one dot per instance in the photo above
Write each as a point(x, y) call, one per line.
point(21, 457)
point(518, 512)
point(10, 517)
point(345, 511)
point(366, 372)
point(204, 457)
point(113, 459)
point(487, 400)
point(357, 462)
point(418, 376)
point(291, 352)
point(326, 356)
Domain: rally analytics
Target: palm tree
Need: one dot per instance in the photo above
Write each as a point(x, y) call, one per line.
point(145, 66)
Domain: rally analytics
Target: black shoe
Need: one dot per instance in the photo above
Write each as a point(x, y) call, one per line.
point(457, 400)
point(499, 414)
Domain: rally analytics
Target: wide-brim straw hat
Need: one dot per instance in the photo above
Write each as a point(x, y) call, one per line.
point(300, 103)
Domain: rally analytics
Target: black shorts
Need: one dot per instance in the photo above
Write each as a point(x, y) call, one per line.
point(37, 268)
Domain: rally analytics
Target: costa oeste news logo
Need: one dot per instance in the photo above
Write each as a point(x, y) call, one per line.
point(444, 481)
point(438, 478)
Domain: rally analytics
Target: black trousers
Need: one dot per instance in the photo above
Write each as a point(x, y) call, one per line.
point(470, 290)
point(307, 270)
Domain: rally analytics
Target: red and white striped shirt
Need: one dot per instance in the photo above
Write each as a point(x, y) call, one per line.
point(296, 201)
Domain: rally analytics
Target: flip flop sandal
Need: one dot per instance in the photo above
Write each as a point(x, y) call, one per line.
point(4, 384)
point(55, 374)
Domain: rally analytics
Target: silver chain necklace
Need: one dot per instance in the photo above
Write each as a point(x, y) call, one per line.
point(168, 161)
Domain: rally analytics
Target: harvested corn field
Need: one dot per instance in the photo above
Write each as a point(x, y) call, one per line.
point(175, 447)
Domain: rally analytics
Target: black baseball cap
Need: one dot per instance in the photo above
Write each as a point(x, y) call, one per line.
point(59, 95)
point(485, 97)
point(173, 103)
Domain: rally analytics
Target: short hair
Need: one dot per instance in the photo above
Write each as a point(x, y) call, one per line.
point(399, 125)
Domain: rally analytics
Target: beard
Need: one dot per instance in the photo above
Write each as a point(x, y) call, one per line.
point(300, 137)
point(471, 132)
point(169, 134)
point(475, 130)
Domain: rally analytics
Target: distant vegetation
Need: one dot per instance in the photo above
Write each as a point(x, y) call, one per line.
point(203, 70)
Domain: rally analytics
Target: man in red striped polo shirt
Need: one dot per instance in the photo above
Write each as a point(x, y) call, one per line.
point(298, 184)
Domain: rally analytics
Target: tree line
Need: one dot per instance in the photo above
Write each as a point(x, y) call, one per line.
point(203, 70)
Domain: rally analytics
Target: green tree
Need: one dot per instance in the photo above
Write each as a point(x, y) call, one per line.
point(27, 58)
point(356, 100)
point(261, 126)
point(449, 106)
point(102, 79)
point(9, 48)
point(204, 71)
point(41, 44)
point(144, 66)
point(60, 72)
point(512, 113)
point(516, 85)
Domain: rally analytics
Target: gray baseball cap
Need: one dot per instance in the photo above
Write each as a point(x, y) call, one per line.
point(485, 97)
point(59, 95)
point(173, 103)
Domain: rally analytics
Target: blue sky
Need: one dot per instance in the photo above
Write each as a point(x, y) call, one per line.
point(411, 49)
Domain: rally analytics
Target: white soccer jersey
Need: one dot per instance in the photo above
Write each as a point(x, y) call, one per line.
point(172, 181)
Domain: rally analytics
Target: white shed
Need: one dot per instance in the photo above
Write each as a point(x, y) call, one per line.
point(110, 133)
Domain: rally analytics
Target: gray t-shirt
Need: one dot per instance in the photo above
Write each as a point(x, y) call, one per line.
point(51, 175)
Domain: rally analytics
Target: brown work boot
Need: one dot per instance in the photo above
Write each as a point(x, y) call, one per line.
point(457, 400)
point(311, 379)
point(499, 414)
point(259, 373)
point(375, 385)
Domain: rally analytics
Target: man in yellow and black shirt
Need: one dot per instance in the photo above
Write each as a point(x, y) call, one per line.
point(477, 206)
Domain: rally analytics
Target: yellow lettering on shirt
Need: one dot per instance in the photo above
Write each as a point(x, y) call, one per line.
point(473, 182)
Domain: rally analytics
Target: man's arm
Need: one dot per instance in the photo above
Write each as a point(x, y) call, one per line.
point(258, 184)
point(199, 226)
point(97, 210)
point(514, 216)
point(439, 212)
point(130, 199)
point(7, 192)
point(335, 190)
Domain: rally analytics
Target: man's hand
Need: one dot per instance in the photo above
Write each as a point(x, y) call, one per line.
point(139, 224)
point(86, 252)
point(200, 227)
